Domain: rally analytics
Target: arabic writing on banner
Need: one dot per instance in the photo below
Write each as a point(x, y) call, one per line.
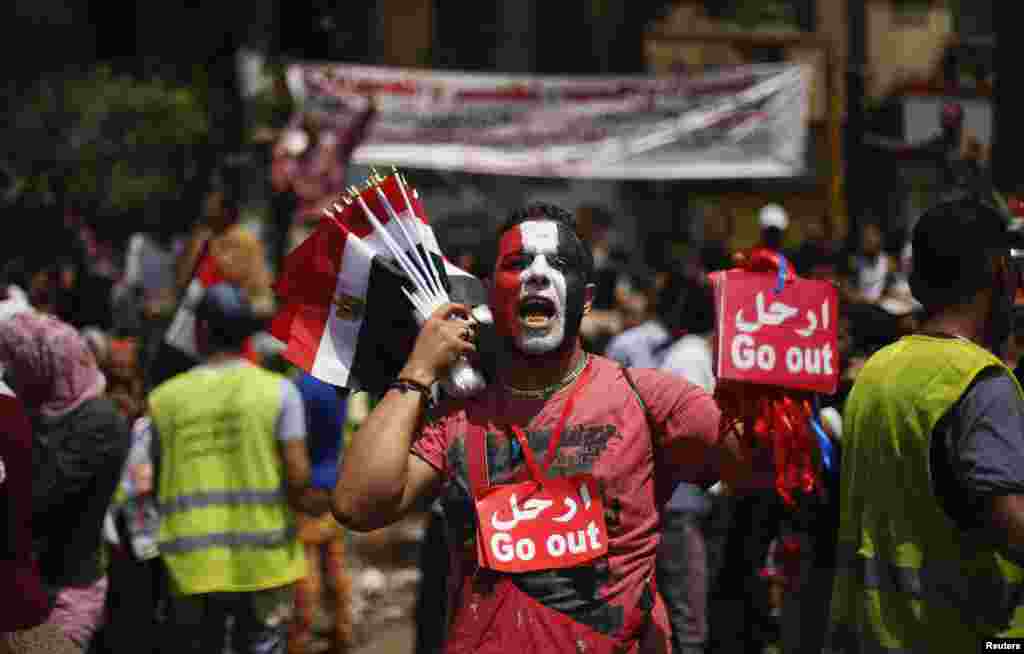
point(781, 338)
point(747, 122)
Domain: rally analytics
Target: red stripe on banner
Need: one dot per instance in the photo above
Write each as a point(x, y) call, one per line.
point(368, 87)
point(592, 96)
point(514, 93)
point(348, 85)
point(306, 290)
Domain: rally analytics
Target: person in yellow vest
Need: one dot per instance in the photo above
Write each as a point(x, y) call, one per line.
point(930, 554)
point(231, 471)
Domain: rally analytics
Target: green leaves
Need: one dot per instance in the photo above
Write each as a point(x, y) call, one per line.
point(112, 142)
point(754, 14)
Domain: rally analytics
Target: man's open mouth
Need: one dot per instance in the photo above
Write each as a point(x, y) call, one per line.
point(537, 312)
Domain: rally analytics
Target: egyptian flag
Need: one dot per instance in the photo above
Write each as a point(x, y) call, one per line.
point(343, 316)
point(398, 211)
point(389, 213)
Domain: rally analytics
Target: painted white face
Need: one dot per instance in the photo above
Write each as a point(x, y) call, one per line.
point(531, 286)
point(543, 333)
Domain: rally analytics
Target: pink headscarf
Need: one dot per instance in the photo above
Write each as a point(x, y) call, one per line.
point(51, 366)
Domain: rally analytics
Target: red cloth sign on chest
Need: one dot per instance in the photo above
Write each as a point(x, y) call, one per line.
point(529, 526)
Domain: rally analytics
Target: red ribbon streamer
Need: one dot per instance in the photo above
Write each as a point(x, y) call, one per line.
point(772, 416)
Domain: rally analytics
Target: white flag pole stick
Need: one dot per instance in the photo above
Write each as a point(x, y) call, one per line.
point(375, 177)
point(423, 307)
point(421, 229)
point(436, 288)
point(417, 304)
point(408, 266)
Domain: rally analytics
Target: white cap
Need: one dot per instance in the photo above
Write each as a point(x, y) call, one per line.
point(772, 215)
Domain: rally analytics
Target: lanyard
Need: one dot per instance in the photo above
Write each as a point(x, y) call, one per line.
point(478, 449)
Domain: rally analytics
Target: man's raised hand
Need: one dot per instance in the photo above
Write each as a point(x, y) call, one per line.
point(443, 338)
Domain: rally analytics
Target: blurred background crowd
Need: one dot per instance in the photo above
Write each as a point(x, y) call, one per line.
point(138, 140)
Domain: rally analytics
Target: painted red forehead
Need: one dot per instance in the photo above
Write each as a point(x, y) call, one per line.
point(538, 236)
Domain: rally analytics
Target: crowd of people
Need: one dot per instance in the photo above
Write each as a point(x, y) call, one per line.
point(91, 532)
point(194, 503)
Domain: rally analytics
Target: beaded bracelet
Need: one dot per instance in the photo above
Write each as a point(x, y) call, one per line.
point(404, 385)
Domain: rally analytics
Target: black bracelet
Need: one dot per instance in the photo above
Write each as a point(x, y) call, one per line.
point(404, 385)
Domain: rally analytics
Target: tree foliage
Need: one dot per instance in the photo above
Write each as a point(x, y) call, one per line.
point(755, 14)
point(108, 142)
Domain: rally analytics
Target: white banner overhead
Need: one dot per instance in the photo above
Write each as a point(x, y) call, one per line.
point(746, 122)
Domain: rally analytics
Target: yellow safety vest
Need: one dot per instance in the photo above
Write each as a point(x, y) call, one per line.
point(908, 579)
point(225, 525)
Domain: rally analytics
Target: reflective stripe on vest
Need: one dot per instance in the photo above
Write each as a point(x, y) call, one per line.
point(214, 498)
point(934, 582)
point(259, 539)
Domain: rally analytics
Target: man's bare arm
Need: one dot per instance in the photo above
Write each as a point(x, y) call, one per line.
point(380, 480)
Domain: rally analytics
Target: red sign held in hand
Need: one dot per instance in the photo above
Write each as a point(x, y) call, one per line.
point(777, 337)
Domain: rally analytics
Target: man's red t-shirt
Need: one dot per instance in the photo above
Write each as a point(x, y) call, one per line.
point(608, 606)
point(26, 604)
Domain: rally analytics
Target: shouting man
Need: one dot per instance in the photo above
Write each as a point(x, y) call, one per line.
point(552, 479)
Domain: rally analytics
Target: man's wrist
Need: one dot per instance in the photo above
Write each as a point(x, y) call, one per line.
point(418, 375)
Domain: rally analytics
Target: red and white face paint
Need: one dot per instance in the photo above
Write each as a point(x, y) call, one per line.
point(538, 286)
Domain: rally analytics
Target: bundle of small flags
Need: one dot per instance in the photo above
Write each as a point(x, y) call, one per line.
point(342, 315)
